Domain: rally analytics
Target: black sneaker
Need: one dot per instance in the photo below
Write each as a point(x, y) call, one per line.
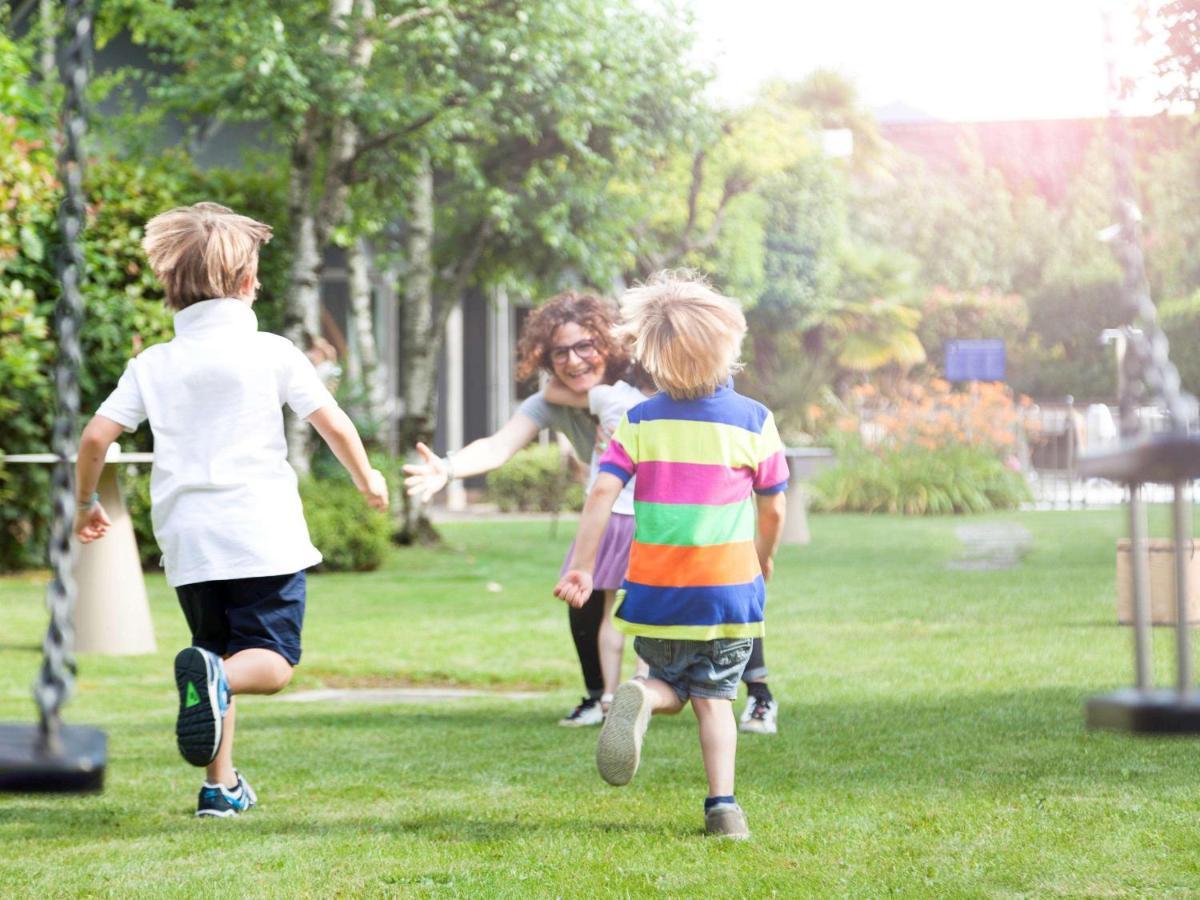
point(588, 712)
point(203, 701)
point(218, 801)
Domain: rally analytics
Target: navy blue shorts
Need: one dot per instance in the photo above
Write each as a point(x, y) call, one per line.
point(246, 613)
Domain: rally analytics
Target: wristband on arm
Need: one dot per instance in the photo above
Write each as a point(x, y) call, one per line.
point(89, 503)
point(449, 464)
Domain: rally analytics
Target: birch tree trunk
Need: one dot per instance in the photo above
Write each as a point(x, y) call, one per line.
point(46, 58)
point(366, 367)
point(419, 346)
point(313, 213)
point(302, 316)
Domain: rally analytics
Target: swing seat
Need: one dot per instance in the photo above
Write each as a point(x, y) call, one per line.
point(1159, 459)
point(25, 768)
point(1159, 711)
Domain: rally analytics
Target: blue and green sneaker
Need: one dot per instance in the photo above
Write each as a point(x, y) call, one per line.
point(203, 702)
point(218, 801)
point(222, 802)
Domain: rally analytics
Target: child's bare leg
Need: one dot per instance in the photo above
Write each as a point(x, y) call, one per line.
point(254, 671)
point(220, 770)
point(257, 671)
point(718, 743)
point(642, 670)
point(611, 645)
point(663, 699)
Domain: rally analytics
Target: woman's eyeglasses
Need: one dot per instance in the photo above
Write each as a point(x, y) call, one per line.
point(585, 350)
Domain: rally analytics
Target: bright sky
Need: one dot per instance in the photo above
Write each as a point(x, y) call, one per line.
point(960, 60)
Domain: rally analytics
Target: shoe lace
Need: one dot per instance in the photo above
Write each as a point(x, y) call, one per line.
point(761, 707)
point(585, 704)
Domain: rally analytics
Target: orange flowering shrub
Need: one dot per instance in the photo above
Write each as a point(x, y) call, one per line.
point(932, 415)
point(924, 449)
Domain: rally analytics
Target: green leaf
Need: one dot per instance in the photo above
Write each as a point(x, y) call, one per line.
point(32, 245)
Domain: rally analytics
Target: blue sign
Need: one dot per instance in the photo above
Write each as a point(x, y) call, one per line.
point(975, 360)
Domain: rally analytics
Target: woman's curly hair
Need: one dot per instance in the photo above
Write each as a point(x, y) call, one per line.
point(598, 315)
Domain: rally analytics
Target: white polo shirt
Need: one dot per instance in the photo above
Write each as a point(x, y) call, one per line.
point(223, 497)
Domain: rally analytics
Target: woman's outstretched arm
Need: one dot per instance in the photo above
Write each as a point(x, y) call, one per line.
point(426, 478)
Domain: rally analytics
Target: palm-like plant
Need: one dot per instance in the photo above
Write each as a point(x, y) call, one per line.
point(865, 335)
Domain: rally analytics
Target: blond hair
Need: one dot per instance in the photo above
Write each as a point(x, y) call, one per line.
point(203, 251)
point(685, 334)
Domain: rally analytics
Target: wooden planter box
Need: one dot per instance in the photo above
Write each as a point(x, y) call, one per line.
point(1161, 553)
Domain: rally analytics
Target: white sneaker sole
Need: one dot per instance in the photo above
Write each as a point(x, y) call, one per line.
point(216, 814)
point(580, 723)
point(619, 749)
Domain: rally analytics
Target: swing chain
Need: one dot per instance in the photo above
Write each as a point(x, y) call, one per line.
point(57, 675)
point(1148, 375)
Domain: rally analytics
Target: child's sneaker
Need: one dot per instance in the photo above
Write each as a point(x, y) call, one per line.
point(203, 700)
point(760, 716)
point(619, 749)
point(588, 712)
point(726, 820)
point(220, 802)
point(244, 790)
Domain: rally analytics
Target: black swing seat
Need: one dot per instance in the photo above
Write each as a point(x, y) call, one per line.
point(1161, 458)
point(1159, 711)
point(26, 768)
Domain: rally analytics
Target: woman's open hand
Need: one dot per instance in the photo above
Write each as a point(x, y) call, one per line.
point(427, 477)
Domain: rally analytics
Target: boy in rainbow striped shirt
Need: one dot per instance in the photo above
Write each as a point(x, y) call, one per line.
point(705, 457)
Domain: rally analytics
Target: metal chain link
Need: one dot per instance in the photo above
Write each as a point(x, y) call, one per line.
point(57, 674)
point(1147, 370)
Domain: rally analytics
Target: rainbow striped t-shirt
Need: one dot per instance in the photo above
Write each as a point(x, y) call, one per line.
point(693, 570)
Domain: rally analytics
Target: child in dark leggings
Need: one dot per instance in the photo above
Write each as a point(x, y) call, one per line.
point(585, 630)
point(570, 339)
point(761, 712)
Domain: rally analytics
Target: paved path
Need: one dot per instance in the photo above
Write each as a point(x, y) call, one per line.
point(401, 695)
point(995, 545)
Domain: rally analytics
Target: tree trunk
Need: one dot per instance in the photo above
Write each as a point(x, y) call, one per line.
point(425, 328)
point(302, 312)
point(366, 370)
point(313, 215)
point(420, 344)
point(47, 61)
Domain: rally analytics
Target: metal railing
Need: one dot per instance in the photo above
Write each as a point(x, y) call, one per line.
point(1053, 435)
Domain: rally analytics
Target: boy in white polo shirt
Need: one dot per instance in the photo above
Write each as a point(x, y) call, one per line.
point(224, 501)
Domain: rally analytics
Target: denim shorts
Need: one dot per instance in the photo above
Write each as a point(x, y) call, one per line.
point(709, 669)
point(246, 613)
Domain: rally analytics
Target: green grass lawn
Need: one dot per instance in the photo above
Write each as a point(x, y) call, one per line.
point(931, 741)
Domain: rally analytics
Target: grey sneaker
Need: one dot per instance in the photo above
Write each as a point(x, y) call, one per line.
point(726, 820)
point(619, 749)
